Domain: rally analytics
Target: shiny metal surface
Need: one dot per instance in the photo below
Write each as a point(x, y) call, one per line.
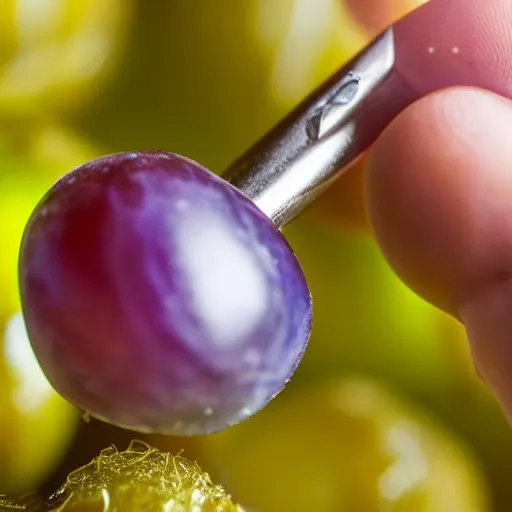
point(305, 152)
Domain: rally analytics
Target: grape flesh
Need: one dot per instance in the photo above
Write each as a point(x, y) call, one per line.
point(159, 298)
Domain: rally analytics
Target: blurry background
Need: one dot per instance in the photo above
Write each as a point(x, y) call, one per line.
point(385, 413)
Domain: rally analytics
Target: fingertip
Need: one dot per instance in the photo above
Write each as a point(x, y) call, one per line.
point(438, 191)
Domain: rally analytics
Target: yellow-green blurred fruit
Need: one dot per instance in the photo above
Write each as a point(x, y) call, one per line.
point(36, 425)
point(473, 412)
point(374, 15)
point(304, 41)
point(31, 159)
point(206, 78)
point(350, 446)
point(53, 51)
point(367, 321)
point(140, 479)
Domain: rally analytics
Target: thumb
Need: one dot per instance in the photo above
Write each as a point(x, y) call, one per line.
point(438, 193)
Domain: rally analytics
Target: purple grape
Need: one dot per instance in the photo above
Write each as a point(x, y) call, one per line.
point(159, 298)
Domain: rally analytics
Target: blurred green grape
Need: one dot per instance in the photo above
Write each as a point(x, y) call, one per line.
point(53, 51)
point(367, 322)
point(36, 425)
point(205, 79)
point(349, 446)
point(473, 412)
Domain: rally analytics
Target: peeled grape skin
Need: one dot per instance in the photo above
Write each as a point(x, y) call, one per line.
point(159, 298)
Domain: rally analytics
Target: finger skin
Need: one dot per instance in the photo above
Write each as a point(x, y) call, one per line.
point(439, 188)
point(441, 45)
point(456, 42)
point(435, 143)
point(439, 200)
point(438, 194)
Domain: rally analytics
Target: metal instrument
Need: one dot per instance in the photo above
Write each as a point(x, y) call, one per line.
point(298, 159)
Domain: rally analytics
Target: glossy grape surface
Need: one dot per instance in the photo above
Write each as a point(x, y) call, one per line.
point(157, 297)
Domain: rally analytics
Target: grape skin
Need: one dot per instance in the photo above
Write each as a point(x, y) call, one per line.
point(157, 297)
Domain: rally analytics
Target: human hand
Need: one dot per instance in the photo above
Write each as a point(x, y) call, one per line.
point(439, 183)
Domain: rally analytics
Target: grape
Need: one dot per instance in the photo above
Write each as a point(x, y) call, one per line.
point(30, 411)
point(346, 445)
point(54, 54)
point(159, 298)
